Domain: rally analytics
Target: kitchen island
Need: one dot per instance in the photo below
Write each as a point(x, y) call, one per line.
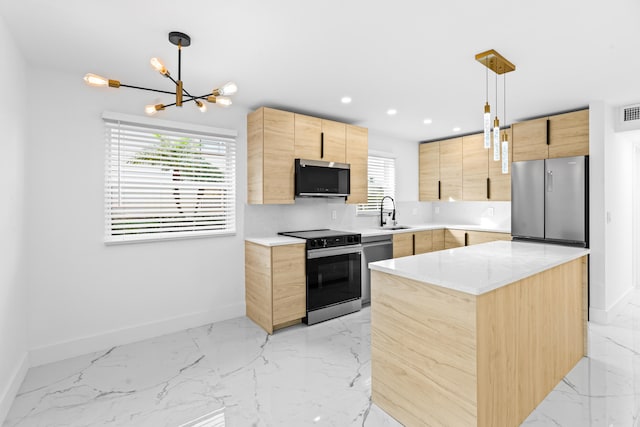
point(476, 336)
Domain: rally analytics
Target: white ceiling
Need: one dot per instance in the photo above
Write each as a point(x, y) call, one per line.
point(414, 56)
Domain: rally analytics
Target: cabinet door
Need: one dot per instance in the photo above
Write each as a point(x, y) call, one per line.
point(429, 171)
point(499, 183)
point(454, 238)
point(423, 242)
point(437, 239)
point(530, 140)
point(308, 131)
point(475, 168)
point(289, 283)
point(451, 169)
point(257, 279)
point(357, 155)
point(278, 162)
point(334, 141)
point(402, 244)
point(569, 134)
point(477, 237)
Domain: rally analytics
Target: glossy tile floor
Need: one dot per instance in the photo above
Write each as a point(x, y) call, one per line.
point(231, 373)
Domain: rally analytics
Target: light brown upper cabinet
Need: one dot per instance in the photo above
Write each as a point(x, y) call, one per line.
point(275, 138)
point(451, 169)
point(562, 135)
point(357, 155)
point(441, 170)
point(475, 168)
point(319, 139)
point(500, 183)
point(270, 155)
point(429, 184)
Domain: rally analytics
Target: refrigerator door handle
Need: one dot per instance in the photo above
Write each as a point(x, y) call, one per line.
point(549, 181)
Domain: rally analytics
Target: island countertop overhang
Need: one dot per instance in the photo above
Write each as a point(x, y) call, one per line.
point(482, 268)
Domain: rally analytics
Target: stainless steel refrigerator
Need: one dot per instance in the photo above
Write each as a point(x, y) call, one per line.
point(550, 199)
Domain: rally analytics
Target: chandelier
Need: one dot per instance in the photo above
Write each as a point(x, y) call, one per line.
point(218, 96)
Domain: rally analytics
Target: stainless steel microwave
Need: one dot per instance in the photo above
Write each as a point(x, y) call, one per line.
point(316, 178)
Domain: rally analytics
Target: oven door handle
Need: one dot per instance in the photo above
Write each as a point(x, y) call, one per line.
point(341, 250)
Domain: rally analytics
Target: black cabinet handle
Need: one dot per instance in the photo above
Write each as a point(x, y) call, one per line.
point(466, 239)
point(488, 188)
point(322, 145)
point(439, 190)
point(413, 238)
point(548, 133)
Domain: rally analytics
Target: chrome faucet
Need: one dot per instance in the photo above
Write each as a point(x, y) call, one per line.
point(393, 215)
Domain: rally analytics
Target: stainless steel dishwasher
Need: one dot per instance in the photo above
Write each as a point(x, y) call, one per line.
point(374, 248)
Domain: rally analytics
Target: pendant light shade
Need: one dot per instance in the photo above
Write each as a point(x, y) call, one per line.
point(505, 153)
point(487, 126)
point(496, 139)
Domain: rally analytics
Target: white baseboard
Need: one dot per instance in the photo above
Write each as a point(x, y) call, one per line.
point(604, 317)
point(72, 348)
point(11, 389)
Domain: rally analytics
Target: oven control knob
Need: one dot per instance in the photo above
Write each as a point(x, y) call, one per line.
point(323, 243)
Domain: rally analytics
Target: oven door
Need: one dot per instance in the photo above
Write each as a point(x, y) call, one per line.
point(333, 276)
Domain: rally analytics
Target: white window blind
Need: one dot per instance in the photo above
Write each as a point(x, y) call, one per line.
point(381, 181)
point(166, 182)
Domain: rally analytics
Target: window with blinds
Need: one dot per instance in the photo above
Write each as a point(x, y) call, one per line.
point(381, 181)
point(166, 180)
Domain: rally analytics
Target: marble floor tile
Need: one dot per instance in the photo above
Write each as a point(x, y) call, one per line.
point(232, 374)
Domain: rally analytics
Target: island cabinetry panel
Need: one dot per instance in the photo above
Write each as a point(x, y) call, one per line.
point(275, 284)
point(493, 357)
point(560, 135)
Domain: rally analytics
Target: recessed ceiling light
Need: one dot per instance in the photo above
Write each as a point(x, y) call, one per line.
point(428, 121)
point(391, 112)
point(456, 129)
point(346, 100)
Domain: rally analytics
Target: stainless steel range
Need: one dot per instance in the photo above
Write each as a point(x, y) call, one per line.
point(333, 273)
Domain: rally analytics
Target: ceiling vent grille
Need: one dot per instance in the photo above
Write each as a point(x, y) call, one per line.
point(631, 113)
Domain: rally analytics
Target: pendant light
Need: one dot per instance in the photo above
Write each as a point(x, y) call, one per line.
point(505, 137)
point(487, 112)
point(497, 63)
point(496, 129)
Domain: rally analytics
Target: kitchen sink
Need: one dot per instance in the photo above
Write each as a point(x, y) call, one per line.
point(396, 227)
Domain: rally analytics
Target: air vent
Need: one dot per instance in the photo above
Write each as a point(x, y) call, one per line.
point(631, 113)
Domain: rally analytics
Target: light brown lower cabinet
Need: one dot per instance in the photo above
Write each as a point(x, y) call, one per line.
point(458, 238)
point(418, 242)
point(275, 285)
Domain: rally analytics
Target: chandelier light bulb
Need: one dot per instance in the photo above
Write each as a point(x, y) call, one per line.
point(95, 80)
point(228, 89)
point(496, 139)
point(159, 66)
point(487, 126)
point(153, 109)
point(223, 102)
point(201, 106)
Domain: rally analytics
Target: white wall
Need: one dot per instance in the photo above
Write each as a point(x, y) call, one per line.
point(13, 289)
point(611, 208)
point(86, 296)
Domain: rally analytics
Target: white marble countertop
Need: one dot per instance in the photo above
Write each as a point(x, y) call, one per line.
point(478, 269)
point(274, 240)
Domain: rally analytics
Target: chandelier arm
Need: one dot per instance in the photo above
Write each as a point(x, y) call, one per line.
point(146, 88)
